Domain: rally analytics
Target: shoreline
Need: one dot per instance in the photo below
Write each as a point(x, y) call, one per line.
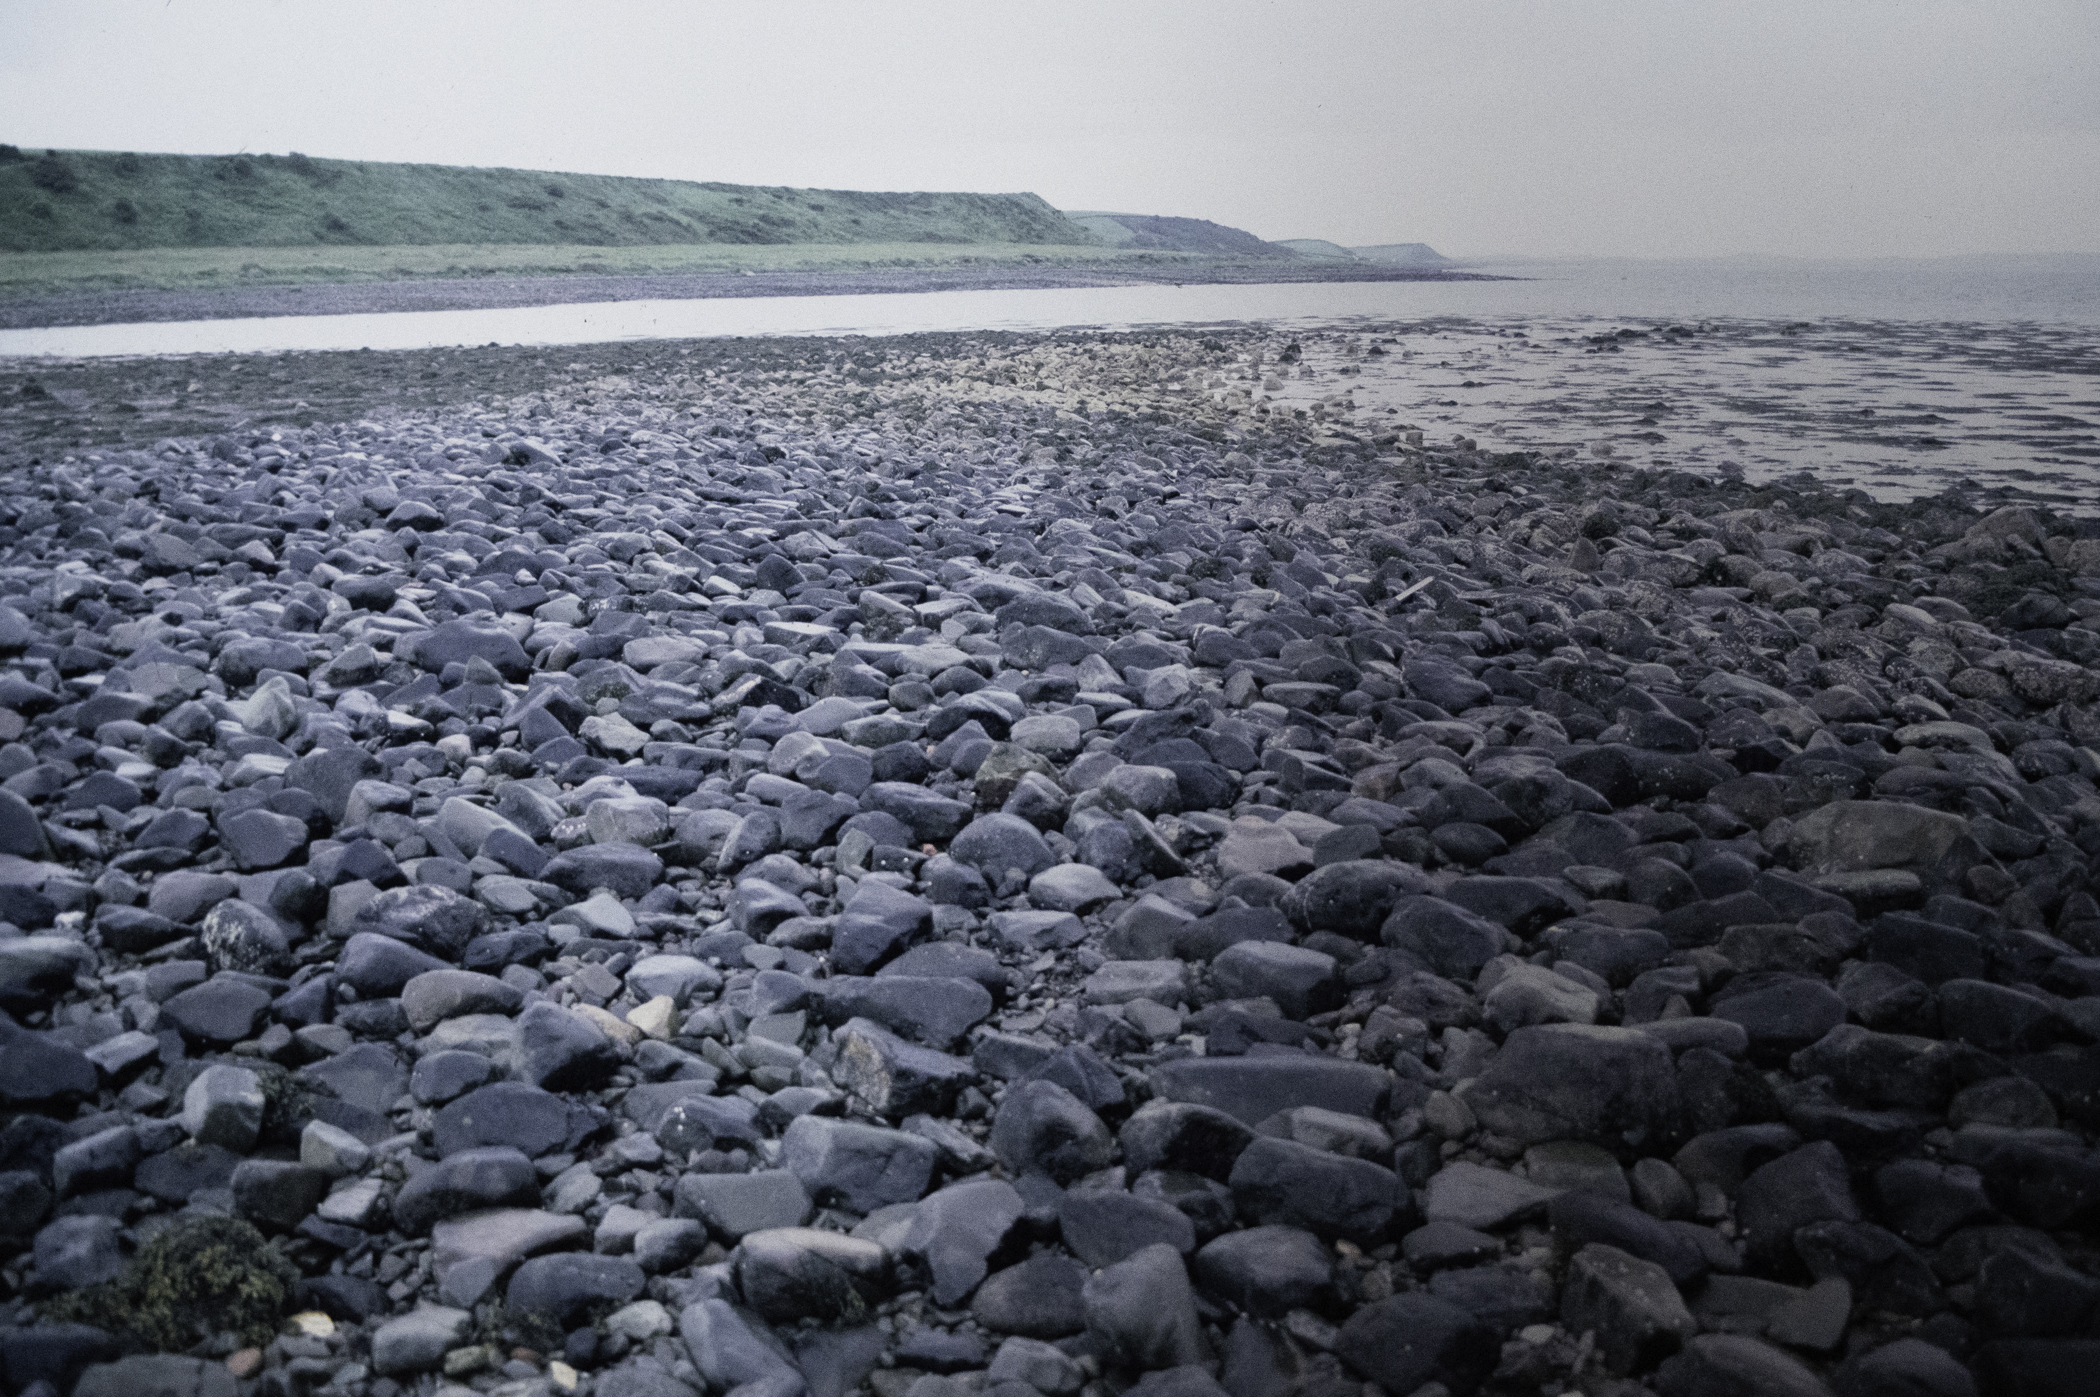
point(1916, 416)
point(134, 306)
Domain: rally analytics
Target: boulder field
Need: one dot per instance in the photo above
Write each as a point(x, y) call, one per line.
point(956, 866)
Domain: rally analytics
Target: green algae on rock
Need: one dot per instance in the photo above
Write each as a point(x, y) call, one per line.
point(201, 1277)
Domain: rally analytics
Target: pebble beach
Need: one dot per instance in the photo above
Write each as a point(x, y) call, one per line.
point(1435, 858)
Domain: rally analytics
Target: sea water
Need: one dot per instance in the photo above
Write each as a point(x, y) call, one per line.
point(1903, 377)
point(2048, 290)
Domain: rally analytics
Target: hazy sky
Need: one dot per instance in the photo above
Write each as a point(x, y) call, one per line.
point(1589, 127)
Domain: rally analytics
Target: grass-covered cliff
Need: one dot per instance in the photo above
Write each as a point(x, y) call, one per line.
point(59, 201)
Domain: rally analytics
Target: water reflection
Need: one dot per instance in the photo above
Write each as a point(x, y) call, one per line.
point(1985, 289)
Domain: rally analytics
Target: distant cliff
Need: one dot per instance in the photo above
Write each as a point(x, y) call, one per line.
point(1155, 233)
point(56, 201)
point(1402, 255)
point(1418, 255)
point(1318, 249)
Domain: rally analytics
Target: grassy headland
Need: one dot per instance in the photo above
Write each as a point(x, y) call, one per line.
point(82, 200)
point(100, 236)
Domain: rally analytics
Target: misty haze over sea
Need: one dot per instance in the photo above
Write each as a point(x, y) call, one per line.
point(2059, 288)
point(2044, 289)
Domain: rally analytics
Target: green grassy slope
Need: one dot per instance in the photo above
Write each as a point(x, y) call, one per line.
point(1319, 249)
point(1402, 254)
point(101, 200)
point(1155, 232)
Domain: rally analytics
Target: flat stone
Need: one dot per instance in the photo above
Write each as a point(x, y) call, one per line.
point(1039, 1297)
point(1439, 1244)
point(1612, 1086)
point(1103, 1226)
point(1120, 981)
point(1737, 1363)
point(1851, 835)
point(735, 1204)
point(1302, 982)
point(436, 995)
point(418, 1341)
point(1038, 930)
point(218, 1013)
point(1283, 1182)
point(893, 1077)
point(1267, 1271)
point(470, 1181)
point(1632, 1306)
point(1258, 846)
point(157, 1375)
point(502, 1237)
point(1473, 1195)
point(1141, 1312)
point(1042, 1128)
point(1251, 1089)
point(565, 1287)
point(955, 1231)
point(1815, 1321)
point(1408, 1340)
point(794, 1273)
point(525, 1118)
point(1071, 887)
point(863, 1167)
point(933, 1012)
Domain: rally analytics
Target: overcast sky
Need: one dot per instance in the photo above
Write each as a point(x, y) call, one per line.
point(1584, 127)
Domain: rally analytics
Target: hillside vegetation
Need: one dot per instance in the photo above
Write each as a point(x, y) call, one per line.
point(59, 201)
point(1318, 249)
point(1402, 255)
point(1158, 233)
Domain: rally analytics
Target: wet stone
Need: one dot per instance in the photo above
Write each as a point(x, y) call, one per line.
point(1110, 861)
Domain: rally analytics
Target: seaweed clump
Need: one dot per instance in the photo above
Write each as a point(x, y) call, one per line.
point(497, 1327)
point(288, 1102)
point(198, 1278)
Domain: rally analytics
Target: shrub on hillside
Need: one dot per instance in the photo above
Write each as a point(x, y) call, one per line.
point(54, 174)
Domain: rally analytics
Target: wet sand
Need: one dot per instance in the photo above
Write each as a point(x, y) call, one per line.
point(1902, 410)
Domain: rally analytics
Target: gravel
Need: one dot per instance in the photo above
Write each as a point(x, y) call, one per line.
point(835, 872)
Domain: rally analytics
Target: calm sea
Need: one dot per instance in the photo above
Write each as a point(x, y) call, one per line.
point(2061, 291)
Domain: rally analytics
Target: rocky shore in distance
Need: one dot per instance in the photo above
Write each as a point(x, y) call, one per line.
point(957, 866)
point(492, 292)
